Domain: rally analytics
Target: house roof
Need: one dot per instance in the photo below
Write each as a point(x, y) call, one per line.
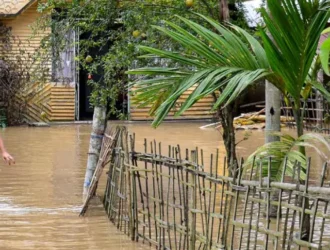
point(12, 8)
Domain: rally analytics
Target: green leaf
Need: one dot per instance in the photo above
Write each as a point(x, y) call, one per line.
point(324, 55)
point(285, 152)
point(327, 30)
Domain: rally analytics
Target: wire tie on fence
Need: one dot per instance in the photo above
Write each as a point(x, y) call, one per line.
point(196, 211)
point(92, 153)
point(108, 136)
point(100, 136)
point(239, 188)
point(121, 195)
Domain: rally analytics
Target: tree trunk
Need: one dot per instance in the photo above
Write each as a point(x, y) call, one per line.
point(273, 112)
point(225, 114)
point(227, 120)
point(99, 124)
point(223, 10)
point(299, 118)
point(273, 124)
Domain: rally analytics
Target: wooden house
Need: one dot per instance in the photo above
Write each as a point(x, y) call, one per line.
point(65, 95)
point(53, 99)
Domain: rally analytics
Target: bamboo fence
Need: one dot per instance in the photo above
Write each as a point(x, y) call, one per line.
point(316, 113)
point(170, 202)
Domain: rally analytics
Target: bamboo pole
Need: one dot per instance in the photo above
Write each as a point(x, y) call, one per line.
point(194, 158)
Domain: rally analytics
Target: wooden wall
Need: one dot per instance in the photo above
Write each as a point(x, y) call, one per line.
point(24, 39)
point(12, 6)
point(45, 102)
point(199, 111)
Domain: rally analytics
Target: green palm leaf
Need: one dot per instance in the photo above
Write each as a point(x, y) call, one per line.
point(286, 152)
point(291, 39)
point(229, 59)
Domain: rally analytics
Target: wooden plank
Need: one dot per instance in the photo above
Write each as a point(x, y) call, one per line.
point(184, 114)
point(62, 97)
point(148, 118)
point(146, 110)
point(62, 112)
point(62, 116)
point(71, 107)
point(60, 91)
point(64, 119)
point(184, 98)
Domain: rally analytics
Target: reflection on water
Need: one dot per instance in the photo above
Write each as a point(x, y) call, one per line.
point(41, 195)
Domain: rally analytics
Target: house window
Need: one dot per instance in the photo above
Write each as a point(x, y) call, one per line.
point(63, 65)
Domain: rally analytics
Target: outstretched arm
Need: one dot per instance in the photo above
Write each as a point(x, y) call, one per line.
point(5, 155)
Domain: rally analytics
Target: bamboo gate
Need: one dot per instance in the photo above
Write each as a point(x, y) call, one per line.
point(169, 201)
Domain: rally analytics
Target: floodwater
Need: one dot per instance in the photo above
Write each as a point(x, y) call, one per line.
point(41, 196)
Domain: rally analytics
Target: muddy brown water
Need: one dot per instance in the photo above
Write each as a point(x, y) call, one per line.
point(41, 196)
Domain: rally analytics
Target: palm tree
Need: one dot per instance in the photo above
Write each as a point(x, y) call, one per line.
point(229, 72)
point(228, 59)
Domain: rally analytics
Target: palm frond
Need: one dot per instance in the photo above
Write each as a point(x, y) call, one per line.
point(291, 39)
point(286, 152)
point(325, 52)
point(228, 59)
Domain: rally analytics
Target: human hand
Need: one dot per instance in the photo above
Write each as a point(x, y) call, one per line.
point(8, 158)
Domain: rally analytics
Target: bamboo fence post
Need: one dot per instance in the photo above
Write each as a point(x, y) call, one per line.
point(119, 188)
point(214, 195)
point(194, 203)
point(302, 217)
point(279, 208)
point(131, 191)
point(162, 194)
point(174, 200)
point(322, 177)
point(135, 222)
point(247, 192)
point(154, 180)
point(168, 201)
point(259, 207)
point(147, 190)
point(251, 207)
point(223, 211)
point(209, 231)
point(237, 183)
point(294, 211)
point(268, 203)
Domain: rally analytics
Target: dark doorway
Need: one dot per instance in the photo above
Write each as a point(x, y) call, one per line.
point(85, 90)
